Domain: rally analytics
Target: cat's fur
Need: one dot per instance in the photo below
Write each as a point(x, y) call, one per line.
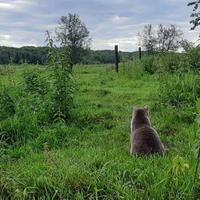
point(144, 139)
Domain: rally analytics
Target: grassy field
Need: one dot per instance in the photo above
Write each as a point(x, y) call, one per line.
point(89, 157)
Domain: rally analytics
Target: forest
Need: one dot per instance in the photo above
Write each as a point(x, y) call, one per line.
point(39, 55)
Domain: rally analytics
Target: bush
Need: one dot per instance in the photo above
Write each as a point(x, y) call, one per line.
point(194, 58)
point(149, 64)
point(169, 62)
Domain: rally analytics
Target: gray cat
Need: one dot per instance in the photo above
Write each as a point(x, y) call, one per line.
point(144, 139)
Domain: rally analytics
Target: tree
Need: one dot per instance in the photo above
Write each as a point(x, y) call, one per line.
point(73, 33)
point(148, 38)
point(168, 38)
point(186, 45)
point(196, 14)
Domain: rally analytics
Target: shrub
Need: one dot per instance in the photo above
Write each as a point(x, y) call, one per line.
point(168, 63)
point(194, 58)
point(149, 64)
point(162, 63)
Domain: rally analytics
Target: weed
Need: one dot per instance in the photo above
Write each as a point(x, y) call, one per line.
point(62, 100)
point(34, 83)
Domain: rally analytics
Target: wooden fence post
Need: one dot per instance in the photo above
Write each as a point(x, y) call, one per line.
point(116, 59)
point(140, 53)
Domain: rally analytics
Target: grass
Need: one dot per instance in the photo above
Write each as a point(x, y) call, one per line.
point(89, 158)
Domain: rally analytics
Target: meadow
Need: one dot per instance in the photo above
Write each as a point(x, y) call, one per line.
point(88, 157)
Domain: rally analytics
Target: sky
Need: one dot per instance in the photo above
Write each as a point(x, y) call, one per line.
point(110, 22)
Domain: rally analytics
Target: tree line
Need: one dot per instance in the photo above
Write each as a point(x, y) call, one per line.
point(39, 55)
point(31, 55)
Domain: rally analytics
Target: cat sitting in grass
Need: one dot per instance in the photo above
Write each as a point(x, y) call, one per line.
point(144, 139)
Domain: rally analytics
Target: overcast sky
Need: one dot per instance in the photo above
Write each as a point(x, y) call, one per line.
point(23, 22)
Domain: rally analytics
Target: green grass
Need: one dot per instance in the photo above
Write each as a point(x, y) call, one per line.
point(89, 158)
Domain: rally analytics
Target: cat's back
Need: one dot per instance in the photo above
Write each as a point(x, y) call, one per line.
point(146, 141)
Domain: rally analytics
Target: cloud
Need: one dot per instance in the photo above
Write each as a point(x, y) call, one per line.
point(15, 5)
point(21, 38)
point(6, 6)
point(5, 37)
point(124, 43)
point(119, 20)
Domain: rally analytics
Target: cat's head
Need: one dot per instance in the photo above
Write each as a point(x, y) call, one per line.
point(141, 112)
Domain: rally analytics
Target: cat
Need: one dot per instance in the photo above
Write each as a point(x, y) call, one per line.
point(144, 139)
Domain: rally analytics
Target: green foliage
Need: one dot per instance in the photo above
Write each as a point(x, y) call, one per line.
point(194, 58)
point(132, 69)
point(7, 70)
point(64, 87)
point(179, 166)
point(34, 83)
point(31, 55)
point(16, 130)
point(169, 63)
point(181, 92)
point(166, 63)
point(62, 99)
point(7, 105)
point(159, 63)
point(163, 38)
point(149, 65)
point(72, 33)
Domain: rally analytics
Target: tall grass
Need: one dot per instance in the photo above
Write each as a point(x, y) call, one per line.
point(132, 69)
point(7, 105)
point(180, 92)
